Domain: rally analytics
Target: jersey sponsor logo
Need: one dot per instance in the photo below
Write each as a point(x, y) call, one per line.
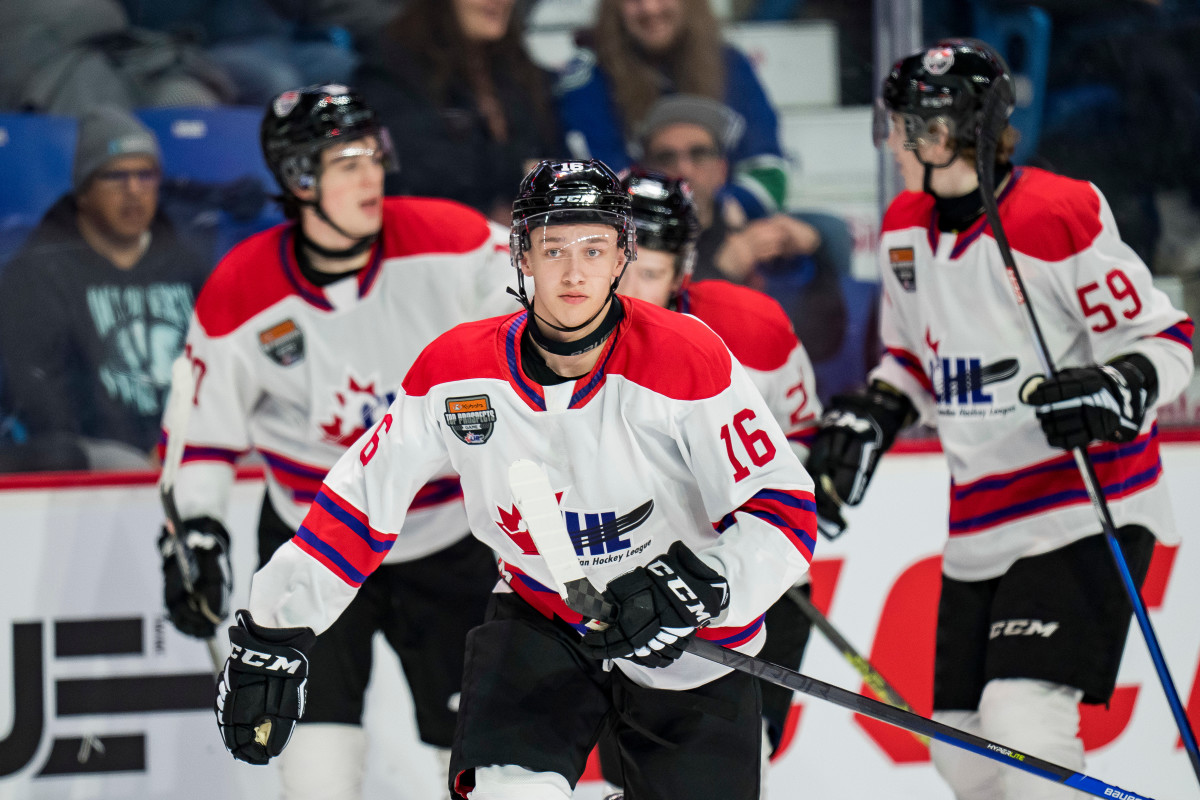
point(600, 537)
point(1022, 627)
point(283, 343)
point(471, 419)
point(357, 406)
point(903, 263)
point(938, 60)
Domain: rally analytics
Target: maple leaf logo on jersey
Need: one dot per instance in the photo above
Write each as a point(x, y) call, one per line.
point(515, 528)
point(356, 408)
point(594, 533)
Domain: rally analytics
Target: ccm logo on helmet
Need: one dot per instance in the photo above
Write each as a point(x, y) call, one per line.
point(253, 658)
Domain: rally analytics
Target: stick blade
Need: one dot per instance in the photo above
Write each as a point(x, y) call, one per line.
point(538, 505)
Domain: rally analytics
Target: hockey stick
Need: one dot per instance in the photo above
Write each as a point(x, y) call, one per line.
point(993, 119)
point(874, 680)
point(535, 500)
point(179, 411)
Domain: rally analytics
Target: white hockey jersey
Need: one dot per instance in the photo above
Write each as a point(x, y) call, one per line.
point(298, 372)
point(665, 439)
point(958, 345)
point(758, 332)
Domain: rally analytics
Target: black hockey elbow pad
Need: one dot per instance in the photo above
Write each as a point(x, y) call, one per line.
point(261, 692)
point(855, 431)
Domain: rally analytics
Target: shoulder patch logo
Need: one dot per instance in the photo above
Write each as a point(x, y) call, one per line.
point(283, 343)
point(903, 263)
point(471, 418)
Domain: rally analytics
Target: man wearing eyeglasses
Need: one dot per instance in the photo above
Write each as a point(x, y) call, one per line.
point(792, 259)
point(95, 307)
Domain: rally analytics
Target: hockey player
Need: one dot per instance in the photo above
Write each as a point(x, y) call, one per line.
point(674, 477)
point(759, 334)
point(299, 342)
point(1032, 618)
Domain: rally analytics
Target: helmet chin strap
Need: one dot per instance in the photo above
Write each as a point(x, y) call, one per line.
point(927, 182)
point(576, 346)
point(361, 243)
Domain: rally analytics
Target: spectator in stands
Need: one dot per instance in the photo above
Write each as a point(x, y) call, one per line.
point(65, 56)
point(94, 308)
point(795, 259)
point(470, 110)
point(642, 50)
point(265, 46)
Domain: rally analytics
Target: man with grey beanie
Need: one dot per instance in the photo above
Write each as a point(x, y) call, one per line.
point(94, 308)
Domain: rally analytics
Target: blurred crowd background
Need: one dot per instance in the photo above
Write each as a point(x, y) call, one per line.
point(130, 156)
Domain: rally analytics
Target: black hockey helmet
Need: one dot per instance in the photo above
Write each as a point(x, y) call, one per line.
point(947, 84)
point(571, 191)
point(664, 214)
point(300, 123)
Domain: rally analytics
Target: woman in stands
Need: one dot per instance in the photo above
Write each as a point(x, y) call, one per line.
point(640, 50)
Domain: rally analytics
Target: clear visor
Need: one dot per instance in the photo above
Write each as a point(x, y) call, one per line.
point(382, 153)
point(588, 237)
point(914, 130)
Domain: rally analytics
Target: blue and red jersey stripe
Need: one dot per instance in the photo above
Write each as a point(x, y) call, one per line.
point(338, 535)
point(302, 480)
point(912, 365)
point(1123, 470)
point(1180, 332)
point(793, 513)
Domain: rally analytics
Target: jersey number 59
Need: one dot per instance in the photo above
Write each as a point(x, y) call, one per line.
point(754, 442)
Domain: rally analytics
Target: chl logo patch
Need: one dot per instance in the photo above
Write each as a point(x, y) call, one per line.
point(283, 343)
point(471, 418)
point(903, 263)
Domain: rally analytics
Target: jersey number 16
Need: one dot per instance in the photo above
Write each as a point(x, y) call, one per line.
point(755, 442)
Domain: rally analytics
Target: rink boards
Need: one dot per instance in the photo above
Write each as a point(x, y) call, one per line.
point(103, 699)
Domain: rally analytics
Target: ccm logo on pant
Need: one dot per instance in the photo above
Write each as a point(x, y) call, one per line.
point(253, 658)
point(1023, 627)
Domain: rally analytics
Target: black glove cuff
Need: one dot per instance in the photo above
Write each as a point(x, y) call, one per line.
point(208, 525)
point(890, 409)
point(301, 639)
point(1139, 373)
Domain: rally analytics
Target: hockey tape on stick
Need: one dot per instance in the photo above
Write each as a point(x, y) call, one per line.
point(539, 507)
point(536, 501)
point(993, 120)
point(175, 420)
point(866, 670)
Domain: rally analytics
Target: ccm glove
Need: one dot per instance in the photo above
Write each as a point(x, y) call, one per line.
point(657, 606)
point(260, 695)
point(197, 613)
point(1085, 404)
point(855, 431)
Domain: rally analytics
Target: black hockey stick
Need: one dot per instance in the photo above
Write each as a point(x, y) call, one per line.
point(179, 411)
point(994, 117)
point(539, 508)
point(872, 677)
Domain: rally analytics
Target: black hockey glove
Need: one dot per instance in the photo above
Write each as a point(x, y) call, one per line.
point(657, 607)
point(260, 695)
point(855, 431)
point(1084, 404)
point(193, 614)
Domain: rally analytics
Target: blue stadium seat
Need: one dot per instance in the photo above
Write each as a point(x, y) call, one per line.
point(1022, 36)
point(35, 159)
point(216, 184)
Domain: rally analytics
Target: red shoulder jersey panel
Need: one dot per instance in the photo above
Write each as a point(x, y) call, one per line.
point(753, 325)
point(908, 210)
point(469, 350)
point(1050, 217)
point(669, 353)
point(416, 226)
point(248, 280)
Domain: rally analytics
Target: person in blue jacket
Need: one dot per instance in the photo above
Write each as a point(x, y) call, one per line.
point(641, 50)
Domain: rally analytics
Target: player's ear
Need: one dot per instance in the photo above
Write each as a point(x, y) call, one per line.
point(524, 265)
